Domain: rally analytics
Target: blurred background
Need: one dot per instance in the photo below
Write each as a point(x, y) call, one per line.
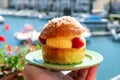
point(21, 21)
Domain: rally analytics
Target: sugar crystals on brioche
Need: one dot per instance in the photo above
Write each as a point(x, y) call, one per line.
point(62, 27)
point(62, 42)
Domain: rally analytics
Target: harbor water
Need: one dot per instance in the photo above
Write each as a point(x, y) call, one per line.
point(110, 50)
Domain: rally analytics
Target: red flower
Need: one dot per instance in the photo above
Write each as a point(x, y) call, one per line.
point(2, 39)
point(7, 27)
point(9, 48)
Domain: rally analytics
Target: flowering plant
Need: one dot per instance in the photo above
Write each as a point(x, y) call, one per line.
point(12, 57)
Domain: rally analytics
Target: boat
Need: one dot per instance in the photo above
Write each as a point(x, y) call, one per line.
point(32, 35)
point(93, 21)
point(100, 12)
point(7, 12)
point(2, 20)
point(27, 32)
point(115, 31)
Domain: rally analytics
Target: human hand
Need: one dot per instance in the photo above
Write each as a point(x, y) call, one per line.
point(37, 73)
point(12, 76)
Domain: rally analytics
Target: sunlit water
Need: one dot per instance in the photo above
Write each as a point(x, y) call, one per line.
point(110, 50)
point(16, 25)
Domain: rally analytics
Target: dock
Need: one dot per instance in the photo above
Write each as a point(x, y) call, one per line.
point(101, 33)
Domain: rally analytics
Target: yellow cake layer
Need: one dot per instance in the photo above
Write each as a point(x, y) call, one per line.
point(63, 55)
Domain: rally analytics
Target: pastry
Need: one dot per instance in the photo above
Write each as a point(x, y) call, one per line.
point(62, 42)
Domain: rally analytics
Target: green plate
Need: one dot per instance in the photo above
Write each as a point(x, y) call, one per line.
point(91, 58)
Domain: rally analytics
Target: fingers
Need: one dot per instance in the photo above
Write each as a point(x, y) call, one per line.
point(28, 72)
point(37, 73)
point(73, 74)
point(84, 74)
point(79, 74)
point(61, 76)
point(92, 73)
point(11, 77)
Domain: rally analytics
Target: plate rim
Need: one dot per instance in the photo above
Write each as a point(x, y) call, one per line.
point(91, 53)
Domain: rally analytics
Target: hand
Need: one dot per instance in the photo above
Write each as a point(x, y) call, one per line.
point(84, 74)
point(37, 73)
point(12, 76)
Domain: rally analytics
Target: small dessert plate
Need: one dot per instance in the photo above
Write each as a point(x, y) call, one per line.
point(91, 58)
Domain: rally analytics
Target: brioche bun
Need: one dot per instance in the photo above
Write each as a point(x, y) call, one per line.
point(65, 26)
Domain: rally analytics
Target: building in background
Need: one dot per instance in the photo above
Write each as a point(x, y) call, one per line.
point(80, 6)
point(115, 6)
point(100, 4)
point(4, 4)
point(52, 5)
point(112, 6)
point(19, 4)
point(65, 4)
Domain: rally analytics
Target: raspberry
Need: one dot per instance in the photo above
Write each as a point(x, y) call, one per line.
point(77, 43)
point(41, 40)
